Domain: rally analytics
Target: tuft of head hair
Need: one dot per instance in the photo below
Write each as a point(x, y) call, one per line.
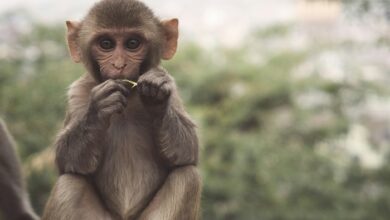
point(122, 13)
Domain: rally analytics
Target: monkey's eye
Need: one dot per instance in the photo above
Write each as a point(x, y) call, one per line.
point(106, 44)
point(133, 43)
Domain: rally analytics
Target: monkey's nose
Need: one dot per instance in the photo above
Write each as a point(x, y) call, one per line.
point(119, 66)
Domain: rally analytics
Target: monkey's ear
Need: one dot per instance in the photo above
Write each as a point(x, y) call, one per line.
point(171, 35)
point(72, 35)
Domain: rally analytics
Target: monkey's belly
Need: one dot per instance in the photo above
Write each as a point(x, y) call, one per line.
point(135, 174)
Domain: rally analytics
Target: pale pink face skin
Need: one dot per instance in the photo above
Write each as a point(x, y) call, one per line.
point(119, 54)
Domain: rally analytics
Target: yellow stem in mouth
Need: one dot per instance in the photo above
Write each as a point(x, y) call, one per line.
point(134, 84)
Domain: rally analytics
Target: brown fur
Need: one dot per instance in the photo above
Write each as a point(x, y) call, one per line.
point(125, 153)
point(14, 201)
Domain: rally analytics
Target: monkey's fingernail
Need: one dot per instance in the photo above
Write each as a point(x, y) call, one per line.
point(133, 84)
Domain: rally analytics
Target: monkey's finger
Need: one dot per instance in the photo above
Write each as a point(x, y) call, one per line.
point(153, 88)
point(159, 81)
point(116, 86)
point(155, 78)
point(95, 90)
point(110, 87)
point(103, 89)
point(153, 73)
point(112, 99)
point(144, 89)
point(123, 88)
point(164, 92)
point(110, 110)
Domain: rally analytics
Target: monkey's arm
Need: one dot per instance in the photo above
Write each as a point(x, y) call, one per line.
point(77, 150)
point(179, 196)
point(176, 134)
point(79, 145)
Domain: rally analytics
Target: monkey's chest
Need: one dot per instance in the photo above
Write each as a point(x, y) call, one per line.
point(132, 165)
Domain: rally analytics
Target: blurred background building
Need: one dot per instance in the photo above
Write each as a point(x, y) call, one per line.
point(319, 12)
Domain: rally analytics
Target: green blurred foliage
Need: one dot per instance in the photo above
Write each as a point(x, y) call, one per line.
point(261, 153)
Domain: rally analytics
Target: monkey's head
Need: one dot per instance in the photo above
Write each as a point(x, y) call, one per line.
point(121, 39)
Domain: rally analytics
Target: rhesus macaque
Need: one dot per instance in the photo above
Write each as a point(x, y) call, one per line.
point(125, 153)
point(14, 201)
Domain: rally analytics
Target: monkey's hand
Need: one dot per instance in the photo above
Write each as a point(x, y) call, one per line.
point(155, 87)
point(106, 99)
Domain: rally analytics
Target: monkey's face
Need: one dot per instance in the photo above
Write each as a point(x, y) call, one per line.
point(119, 53)
point(121, 39)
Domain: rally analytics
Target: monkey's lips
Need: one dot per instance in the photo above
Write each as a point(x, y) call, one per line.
point(120, 75)
point(114, 75)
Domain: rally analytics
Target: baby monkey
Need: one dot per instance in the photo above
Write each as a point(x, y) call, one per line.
point(124, 152)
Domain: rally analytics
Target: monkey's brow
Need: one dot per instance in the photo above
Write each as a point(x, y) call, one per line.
point(120, 33)
point(138, 31)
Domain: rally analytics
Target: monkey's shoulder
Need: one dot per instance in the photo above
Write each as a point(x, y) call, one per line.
point(79, 92)
point(81, 87)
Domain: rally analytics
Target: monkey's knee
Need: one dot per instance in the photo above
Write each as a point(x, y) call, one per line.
point(69, 183)
point(186, 181)
point(187, 185)
point(188, 175)
point(74, 198)
point(69, 188)
point(178, 198)
point(63, 197)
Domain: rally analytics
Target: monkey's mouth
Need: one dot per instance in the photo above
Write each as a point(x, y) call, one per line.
point(119, 75)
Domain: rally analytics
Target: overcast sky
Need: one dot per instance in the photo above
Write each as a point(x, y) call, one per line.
point(207, 20)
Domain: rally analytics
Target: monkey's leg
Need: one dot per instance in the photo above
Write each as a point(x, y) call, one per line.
point(178, 198)
point(73, 198)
